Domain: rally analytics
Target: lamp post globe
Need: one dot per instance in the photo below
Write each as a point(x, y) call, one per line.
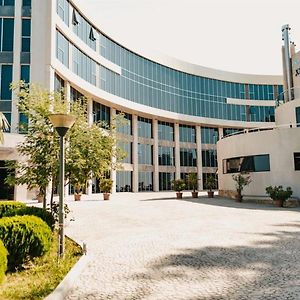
point(62, 123)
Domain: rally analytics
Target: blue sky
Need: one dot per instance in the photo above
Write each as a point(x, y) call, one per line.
point(234, 35)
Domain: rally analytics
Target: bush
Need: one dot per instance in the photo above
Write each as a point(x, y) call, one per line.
point(278, 193)
point(24, 237)
point(3, 261)
point(45, 215)
point(178, 185)
point(6, 206)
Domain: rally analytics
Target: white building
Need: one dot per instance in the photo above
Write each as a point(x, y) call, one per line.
point(177, 111)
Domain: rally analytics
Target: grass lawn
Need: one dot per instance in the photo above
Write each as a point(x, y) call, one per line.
point(41, 276)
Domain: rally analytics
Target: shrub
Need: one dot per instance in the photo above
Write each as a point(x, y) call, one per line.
point(24, 237)
point(3, 261)
point(178, 185)
point(278, 193)
point(45, 215)
point(6, 206)
point(106, 185)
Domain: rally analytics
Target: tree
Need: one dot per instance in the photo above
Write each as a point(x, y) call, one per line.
point(89, 148)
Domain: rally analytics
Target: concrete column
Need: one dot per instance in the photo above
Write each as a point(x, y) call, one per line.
point(221, 134)
point(113, 172)
point(177, 151)
point(89, 189)
point(155, 156)
point(135, 175)
point(68, 99)
point(16, 64)
point(90, 115)
point(199, 158)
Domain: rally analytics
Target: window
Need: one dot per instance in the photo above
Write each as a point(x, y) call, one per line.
point(59, 84)
point(145, 181)
point(26, 32)
point(74, 18)
point(165, 181)
point(165, 131)
point(297, 161)
point(126, 125)
point(232, 131)
point(166, 156)
point(123, 181)
point(6, 79)
point(62, 49)
point(187, 133)
point(145, 154)
point(145, 127)
point(7, 2)
point(253, 163)
point(76, 95)
point(298, 116)
point(25, 73)
point(209, 158)
point(188, 157)
point(7, 40)
point(127, 148)
point(209, 135)
point(26, 3)
point(101, 113)
point(91, 35)
point(62, 9)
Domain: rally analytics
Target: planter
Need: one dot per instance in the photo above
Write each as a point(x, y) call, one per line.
point(77, 197)
point(210, 194)
point(238, 198)
point(179, 195)
point(106, 196)
point(278, 203)
point(195, 194)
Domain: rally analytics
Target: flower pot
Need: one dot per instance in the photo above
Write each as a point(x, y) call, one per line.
point(106, 196)
point(210, 194)
point(179, 195)
point(195, 194)
point(77, 197)
point(278, 203)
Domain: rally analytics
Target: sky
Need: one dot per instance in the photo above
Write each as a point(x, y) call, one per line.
point(241, 36)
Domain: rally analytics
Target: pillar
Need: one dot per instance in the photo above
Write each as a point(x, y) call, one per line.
point(155, 156)
point(199, 158)
point(135, 175)
point(177, 151)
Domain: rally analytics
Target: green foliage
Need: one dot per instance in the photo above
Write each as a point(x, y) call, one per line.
point(42, 213)
point(278, 193)
point(211, 182)
point(106, 185)
point(6, 206)
point(24, 237)
point(54, 210)
point(89, 147)
point(241, 180)
point(178, 185)
point(3, 261)
point(193, 181)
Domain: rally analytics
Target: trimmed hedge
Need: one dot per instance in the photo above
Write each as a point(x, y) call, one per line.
point(3, 261)
point(24, 237)
point(45, 215)
point(6, 206)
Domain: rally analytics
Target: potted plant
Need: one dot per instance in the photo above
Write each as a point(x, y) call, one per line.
point(241, 180)
point(178, 186)
point(193, 183)
point(105, 187)
point(77, 191)
point(278, 194)
point(211, 184)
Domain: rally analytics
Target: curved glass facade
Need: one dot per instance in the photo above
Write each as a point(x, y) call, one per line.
point(146, 82)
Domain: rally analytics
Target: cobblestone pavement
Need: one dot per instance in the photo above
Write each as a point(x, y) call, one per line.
point(142, 247)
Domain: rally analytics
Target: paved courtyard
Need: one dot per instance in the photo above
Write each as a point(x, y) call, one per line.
point(146, 246)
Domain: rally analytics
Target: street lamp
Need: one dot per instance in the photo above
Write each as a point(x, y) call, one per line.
point(62, 123)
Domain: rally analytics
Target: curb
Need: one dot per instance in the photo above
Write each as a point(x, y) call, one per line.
point(67, 283)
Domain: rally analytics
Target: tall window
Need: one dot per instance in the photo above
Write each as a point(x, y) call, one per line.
point(145, 127)
point(145, 181)
point(101, 113)
point(59, 83)
point(6, 79)
point(209, 135)
point(127, 148)
point(62, 9)
point(166, 156)
point(7, 2)
point(188, 157)
point(165, 131)
point(26, 33)
point(124, 181)
point(7, 34)
point(297, 161)
point(187, 133)
point(298, 116)
point(62, 49)
point(209, 158)
point(165, 181)
point(145, 154)
point(126, 125)
point(26, 3)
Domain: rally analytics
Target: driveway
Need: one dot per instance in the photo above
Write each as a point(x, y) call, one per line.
point(151, 246)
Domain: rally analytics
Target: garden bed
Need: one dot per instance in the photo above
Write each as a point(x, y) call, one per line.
point(41, 276)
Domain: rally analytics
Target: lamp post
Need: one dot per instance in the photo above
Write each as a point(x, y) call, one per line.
point(62, 123)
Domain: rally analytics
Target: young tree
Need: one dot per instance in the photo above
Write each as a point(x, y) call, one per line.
point(89, 150)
